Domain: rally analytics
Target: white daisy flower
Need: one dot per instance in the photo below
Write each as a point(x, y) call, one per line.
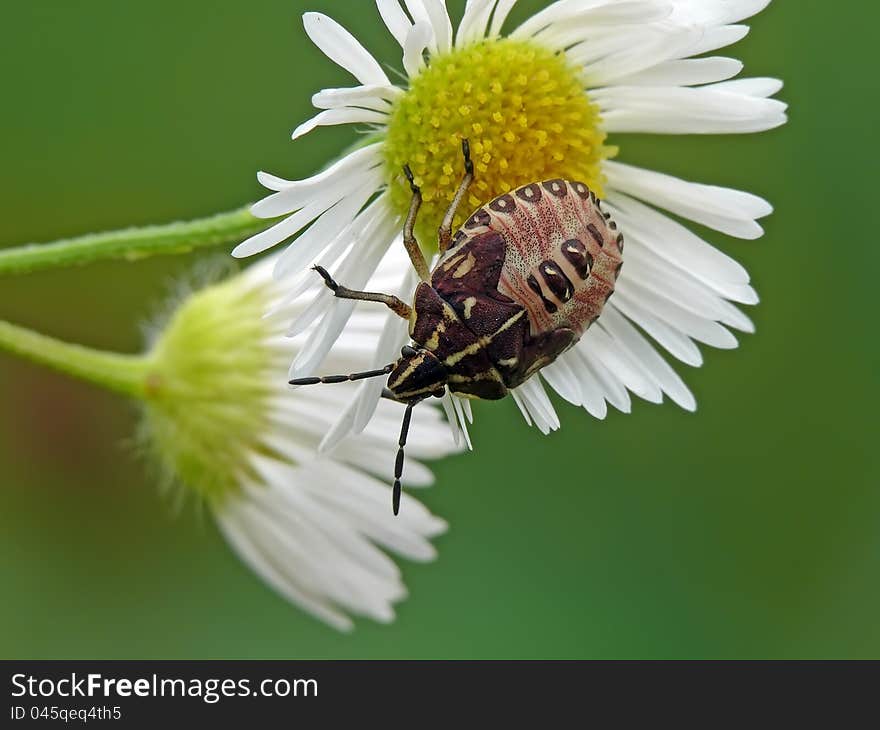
point(536, 103)
point(221, 420)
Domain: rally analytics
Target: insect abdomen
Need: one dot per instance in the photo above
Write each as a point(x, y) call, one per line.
point(563, 254)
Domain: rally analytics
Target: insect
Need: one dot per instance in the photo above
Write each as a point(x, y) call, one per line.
point(513, 289)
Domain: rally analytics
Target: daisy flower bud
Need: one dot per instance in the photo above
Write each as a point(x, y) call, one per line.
point(221, 420)
point(547, 100)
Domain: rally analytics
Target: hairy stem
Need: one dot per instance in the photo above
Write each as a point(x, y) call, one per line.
point(132, 243)
point(127, 374)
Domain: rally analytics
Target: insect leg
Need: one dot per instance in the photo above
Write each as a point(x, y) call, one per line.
point(409, 239)
point(398, 464)
point(397, 306)
point(446, 225)
point(343, 378)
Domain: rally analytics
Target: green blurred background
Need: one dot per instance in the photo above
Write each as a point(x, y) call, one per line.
point(750, 529)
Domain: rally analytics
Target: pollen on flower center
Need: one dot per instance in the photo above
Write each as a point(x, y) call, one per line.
point(524, 110)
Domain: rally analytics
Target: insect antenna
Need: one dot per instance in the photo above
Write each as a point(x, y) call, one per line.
point(398, 464)
point(344, 378)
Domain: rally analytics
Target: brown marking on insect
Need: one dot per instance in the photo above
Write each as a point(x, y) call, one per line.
point(556, 187)
point(576, 253)
point(503, 204)
point(597, 237)
point(530, 193)
point(465, 267)
point(479, 219)
point(536, 287)
point(556, 281)
point(454, 261)
point(433, 342)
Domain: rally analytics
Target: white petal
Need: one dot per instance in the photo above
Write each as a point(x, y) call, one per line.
point(436, 14)
point(672, 339)
point(502, 10)
point(591, 396)
point(687, 72)
point(651, 271)
point(685, 110)
point(557, 12)
point(355, 271)
point(359, 412)
point(452, 419)
point(417, 40)
point(536, 406)
point(285, 229)
point(295, 526)
point(322, 199)
point(286, 201)
point(395, 19)
point(615, 359)
point(394, 336)
point(377, 98)
point(468, 411)
point(242, 540)
point(345, 115)
point(560, 376)
point(342, 48)
point(474, 21)
point(613, 389)
point(721, 37)
point(461, 419)
point(757, 87)
point(679, 246)
point(616, 32)
point(628, 52)
point(367, 503)
point(717, 12)
point(663, 306)
point(726, 210)
point(301, 254)
point(361, 159)
point(642, 353)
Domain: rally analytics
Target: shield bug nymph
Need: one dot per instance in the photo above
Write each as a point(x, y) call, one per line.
point(513, 289)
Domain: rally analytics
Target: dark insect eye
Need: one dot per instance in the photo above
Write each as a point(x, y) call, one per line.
point(407, 351)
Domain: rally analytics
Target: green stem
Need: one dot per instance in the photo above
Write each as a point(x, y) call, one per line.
point(127, 374)
point(133, 243)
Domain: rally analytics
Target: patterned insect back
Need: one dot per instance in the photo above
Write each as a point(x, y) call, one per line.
point(563, 254)
point(546, 248)
point(516, 287)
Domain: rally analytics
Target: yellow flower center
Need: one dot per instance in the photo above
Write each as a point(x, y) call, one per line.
point(522, 107)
